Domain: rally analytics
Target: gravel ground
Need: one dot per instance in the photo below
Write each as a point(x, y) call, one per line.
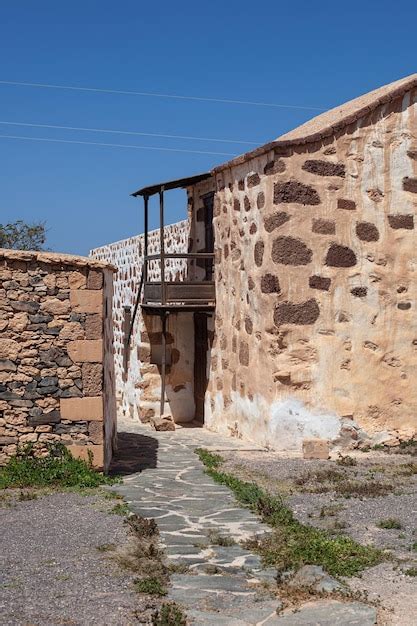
point(309, 490)
point(51, 571)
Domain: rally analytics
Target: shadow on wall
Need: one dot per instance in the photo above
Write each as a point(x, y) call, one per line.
point(135, 453)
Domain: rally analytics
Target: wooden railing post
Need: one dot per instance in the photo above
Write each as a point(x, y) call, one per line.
point(162, 244)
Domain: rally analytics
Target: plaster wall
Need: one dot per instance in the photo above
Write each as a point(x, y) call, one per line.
point(316, 328)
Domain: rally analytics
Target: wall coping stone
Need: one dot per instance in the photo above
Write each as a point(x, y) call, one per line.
point(53, 258)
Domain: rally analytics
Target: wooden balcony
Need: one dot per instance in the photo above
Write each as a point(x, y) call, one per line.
point(187, 294)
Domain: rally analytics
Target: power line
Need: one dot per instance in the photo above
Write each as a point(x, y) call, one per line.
point(125, 132)
point(114, 145)
point(159, 95)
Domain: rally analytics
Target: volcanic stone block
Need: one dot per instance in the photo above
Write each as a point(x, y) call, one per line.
point(244, 353)
point(246, 203)
point(410, 184)
point(82, 409)
point(319, 282)
point(290, 251)
point(271, 222)
point(348, 205)
point(324, 227)
point(259, 252)
point(253, 180)
point(359, 292)
point(37, 417)
point(260, 200)
point(303, 313)
point(274, 167)
point(340, 256)
point(324, 168)
point(401, 221)
point(270, 284)
point(367, 231)
point(54, 306)
point(294, 191)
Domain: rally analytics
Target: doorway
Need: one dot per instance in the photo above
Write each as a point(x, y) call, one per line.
point(201, 347)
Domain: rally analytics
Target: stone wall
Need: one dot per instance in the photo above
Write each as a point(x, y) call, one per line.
point(137, 398)
point(56, 378)
point(316, 325)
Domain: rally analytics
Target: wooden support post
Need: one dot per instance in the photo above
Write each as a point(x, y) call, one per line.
point(145, 248)
point(162, 244)
point(127, 320)
point(164, 315)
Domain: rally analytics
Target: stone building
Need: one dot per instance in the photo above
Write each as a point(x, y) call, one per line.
point(303, 321)
point(56, 354)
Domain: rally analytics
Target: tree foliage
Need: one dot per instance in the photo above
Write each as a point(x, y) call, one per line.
point(20, 235)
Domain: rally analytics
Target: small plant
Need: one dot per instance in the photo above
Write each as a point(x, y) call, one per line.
point(216, 539)
point(414, 546)
point(346, 461)
point(58, 468)
point(106, 547)
point(391, 523)
point(330, 510)
point(151, 585)
point(27, 495)
point(412, 571)
point(178, 568)
point(170, 614)
point(142, 526)
point(121, 508)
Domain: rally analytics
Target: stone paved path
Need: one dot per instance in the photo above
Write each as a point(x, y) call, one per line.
point(222, 584)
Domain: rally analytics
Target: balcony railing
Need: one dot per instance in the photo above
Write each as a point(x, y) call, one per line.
point(187, 292)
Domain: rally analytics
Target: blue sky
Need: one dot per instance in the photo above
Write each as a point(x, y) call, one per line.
point(296, 53)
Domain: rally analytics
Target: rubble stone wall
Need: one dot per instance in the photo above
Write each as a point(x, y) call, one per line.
point(316, 324)
point(56, 365)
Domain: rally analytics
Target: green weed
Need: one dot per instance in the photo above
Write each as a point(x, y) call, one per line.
point(152, 586)
point(292, 544)
point(59, 468)
point(121, 508)
point(170, 614)
point(391, 523)
point(412, 571)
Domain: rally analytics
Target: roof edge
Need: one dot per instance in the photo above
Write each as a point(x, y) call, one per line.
point(53, 258)
point(394, 93)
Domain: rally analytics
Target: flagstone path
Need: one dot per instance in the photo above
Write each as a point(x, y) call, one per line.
point(222, 584)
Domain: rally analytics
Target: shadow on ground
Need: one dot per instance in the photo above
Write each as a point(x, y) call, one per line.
point(135, 453)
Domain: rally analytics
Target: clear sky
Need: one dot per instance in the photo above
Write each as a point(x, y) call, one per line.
point(300, 53)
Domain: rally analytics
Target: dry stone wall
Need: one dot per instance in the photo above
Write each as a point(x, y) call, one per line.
point(316, 325)
point(56, 378)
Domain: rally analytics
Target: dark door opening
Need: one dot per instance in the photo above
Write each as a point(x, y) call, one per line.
point(200, 364)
